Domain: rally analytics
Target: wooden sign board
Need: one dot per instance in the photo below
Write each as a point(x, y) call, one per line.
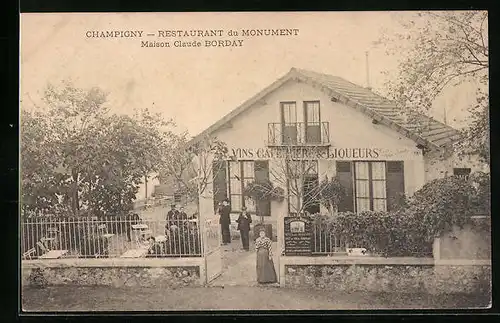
point(298, 236)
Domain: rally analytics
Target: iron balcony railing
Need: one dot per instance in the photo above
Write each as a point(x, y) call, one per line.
point(299, 134)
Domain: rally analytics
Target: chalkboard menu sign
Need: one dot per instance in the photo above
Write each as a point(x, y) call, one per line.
point(298, 236)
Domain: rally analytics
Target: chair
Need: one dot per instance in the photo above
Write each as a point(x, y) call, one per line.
point(29, 254)
point(44, 248)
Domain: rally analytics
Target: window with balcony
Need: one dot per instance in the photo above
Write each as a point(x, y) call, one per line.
point(303, 127)
point(289, 133)
point(312, 122)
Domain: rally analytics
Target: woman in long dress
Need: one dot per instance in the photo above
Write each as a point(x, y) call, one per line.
point(265, 266)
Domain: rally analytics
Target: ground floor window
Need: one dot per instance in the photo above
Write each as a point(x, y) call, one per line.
point(370, 186)
point(302, 186)
point(241, 173)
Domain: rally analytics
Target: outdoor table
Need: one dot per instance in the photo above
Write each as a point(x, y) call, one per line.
point(140, 226)
point(161, 238)
point(135, 253)
point(53, 254)
point(146, 232)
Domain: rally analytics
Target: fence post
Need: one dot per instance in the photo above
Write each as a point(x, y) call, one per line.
point(436, 249)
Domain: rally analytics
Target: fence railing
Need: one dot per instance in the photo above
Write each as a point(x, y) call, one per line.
point(111, 237)
point(324, 242)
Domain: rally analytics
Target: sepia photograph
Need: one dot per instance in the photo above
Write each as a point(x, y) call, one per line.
point(206, 161)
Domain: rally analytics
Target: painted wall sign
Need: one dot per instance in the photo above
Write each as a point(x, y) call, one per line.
point(298, 236)
point(321, 153)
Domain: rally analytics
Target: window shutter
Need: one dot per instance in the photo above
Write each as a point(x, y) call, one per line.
point(395, 183)
point(219, 181)
point(344, 175)
point(261, 169)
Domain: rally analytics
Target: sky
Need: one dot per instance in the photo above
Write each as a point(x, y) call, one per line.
point(198, 86)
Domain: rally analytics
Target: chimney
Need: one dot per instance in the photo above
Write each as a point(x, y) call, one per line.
point(367, 73)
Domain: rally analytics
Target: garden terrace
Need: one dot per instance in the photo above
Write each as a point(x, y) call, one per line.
point(110, 237)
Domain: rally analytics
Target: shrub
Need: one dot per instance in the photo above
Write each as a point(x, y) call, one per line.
point(442, 204)
point(387, 234)
point(410, 229)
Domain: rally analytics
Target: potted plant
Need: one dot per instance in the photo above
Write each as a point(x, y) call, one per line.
point(263, 192)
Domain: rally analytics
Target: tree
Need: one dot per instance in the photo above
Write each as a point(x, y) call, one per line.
point(298, 178)
point(445, 49)
point(83, 159)
point(331, 193)
point(263, 191)
point(194, 164)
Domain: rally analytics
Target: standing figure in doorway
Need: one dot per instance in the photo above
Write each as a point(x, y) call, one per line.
point(224, 221)
point(244, 221)
point(266, 274)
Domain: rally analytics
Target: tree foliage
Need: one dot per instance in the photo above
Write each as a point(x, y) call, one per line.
point(77, 157)
point(191, 166)
point(331, 192)
point(446, 49)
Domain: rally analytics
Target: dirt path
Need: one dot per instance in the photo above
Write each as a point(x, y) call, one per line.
point(71, 298)
point(239, 266)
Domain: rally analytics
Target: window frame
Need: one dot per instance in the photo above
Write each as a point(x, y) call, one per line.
point(305, 108)
point(303, 169)
point(242, 177)
point(282, 111)
point(370, 180)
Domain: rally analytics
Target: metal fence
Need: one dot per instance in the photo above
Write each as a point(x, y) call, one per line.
point(324, 242)
point(111, 237)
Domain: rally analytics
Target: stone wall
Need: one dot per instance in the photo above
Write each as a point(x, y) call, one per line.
point(389, 278)
point(469, 242)
point(115, 276)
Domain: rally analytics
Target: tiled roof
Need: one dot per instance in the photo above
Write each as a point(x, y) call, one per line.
point(423, 130)
point(420, 125)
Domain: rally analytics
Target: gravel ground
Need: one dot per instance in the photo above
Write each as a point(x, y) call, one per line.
point(71, 298)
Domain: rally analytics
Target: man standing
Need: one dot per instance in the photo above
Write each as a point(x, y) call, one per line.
point(244, 221)
point(224, 221)
point(172, 217)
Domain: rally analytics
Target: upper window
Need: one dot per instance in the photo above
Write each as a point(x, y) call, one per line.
point(311, 112)
point(289, 112)
point(370, 186)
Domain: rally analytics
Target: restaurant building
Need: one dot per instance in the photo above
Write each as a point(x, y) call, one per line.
point(334, 128)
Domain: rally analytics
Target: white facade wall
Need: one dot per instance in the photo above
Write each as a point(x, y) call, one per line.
point(348, 128)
